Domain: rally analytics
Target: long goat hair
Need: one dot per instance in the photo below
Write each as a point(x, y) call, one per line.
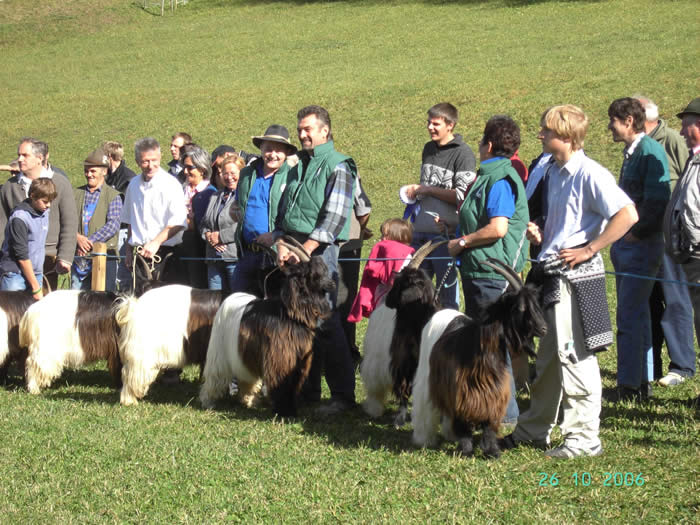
point(12, 307)
point(462, 374)
point(392, 340)
point(269, 340)
point(167, 327)
point(69, 328)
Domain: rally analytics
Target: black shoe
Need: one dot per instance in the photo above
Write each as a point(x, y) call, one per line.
point(335, 407)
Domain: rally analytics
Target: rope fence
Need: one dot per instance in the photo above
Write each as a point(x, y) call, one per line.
point(107, 256)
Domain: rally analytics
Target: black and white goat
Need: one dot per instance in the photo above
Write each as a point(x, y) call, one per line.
point(12, 307)
point(462, 375)
point(167, 327)
point(392, 340)
point(269, 340)
point(69, 328)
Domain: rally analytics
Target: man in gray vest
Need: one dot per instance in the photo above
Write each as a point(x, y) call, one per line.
point(315, 209)
point(99, 208)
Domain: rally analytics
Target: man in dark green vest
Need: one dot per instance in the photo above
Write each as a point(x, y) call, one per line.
point(493, 221)
point(315, 209)
point(99, 209)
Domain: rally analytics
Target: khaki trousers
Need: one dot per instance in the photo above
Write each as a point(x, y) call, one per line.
point(567, 375)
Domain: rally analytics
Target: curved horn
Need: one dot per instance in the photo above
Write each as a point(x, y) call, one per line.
point(506, 271)
point(139, 258)
point(161, 269)
point(46, 284)
point(295, 247)
point(423, 252)
point(269, 251)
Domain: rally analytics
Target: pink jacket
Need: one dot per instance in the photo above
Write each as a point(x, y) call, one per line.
point(378, 277)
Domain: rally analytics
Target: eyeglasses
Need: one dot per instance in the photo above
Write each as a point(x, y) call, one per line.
point(189, 167)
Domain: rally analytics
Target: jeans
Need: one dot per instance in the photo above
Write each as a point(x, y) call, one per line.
point(478, 295)
point(633, 317)
point(449, 292)
point(692, 272)
point(677, 320)
point(248, 276)
point(220, 275)
point(76, 283)
point(12, 281)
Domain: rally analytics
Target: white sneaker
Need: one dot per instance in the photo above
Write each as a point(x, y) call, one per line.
point(671, 379)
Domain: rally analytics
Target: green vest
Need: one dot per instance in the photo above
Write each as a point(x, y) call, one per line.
point(511, 249)
point(245, 183)
point(99, 218)
point(306, 196)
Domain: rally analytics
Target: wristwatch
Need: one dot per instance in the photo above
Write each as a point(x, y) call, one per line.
point(463, 242)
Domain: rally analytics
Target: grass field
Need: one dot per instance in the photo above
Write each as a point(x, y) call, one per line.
point(78, 72)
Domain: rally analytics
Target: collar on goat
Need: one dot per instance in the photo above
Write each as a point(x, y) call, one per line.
point(506, 271)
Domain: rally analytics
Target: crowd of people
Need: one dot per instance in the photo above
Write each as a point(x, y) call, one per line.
point(209, 219)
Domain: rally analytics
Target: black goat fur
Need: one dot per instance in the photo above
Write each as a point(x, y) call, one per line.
point(276, 335)
point(469, 380)
point(412, 295)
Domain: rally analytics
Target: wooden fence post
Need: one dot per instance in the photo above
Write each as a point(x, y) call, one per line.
point(99, 266)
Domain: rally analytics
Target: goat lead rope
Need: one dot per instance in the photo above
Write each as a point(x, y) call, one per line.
point(265, 281)
point(154, 260)
point(444, 278)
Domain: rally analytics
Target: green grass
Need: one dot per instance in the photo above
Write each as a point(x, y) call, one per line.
point(77, 73)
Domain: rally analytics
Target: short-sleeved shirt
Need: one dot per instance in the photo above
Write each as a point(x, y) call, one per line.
point(582, 196)
point(151, 206)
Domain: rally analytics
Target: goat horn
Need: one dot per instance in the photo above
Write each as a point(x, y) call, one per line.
point(506, 271)
point(269, 251)
point(161, 269)
point(295, 247)
point(423, 252)
point(139, 258)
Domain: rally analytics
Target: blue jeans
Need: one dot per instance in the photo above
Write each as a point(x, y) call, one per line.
point(449, 293)
point(12, 281)
point(76, 283)
point(634, 347)
point(677, 321)
point(478, 295)
point(220, 275)
point(247, 276)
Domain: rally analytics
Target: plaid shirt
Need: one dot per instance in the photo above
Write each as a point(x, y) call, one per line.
point(337, 207)
point(113, 216)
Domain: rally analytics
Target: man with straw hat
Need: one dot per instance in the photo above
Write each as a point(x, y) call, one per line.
point(259, 191)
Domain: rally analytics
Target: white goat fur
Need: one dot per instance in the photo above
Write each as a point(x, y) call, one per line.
point(153, 328)
point(375, 369)
point(223, 359)
point(49, 331)
point(425, 416)
point(4, 343)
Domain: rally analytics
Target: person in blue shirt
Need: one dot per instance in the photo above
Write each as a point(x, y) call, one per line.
point(493, 221)
point(260, 189)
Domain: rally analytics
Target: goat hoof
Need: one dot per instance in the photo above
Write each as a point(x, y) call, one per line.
point(400, 420)
point(466, 448)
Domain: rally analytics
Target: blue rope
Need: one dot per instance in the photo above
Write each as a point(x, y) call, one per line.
point(360, 259)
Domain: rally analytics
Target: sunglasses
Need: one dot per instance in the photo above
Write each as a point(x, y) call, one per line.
point(190, 168)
